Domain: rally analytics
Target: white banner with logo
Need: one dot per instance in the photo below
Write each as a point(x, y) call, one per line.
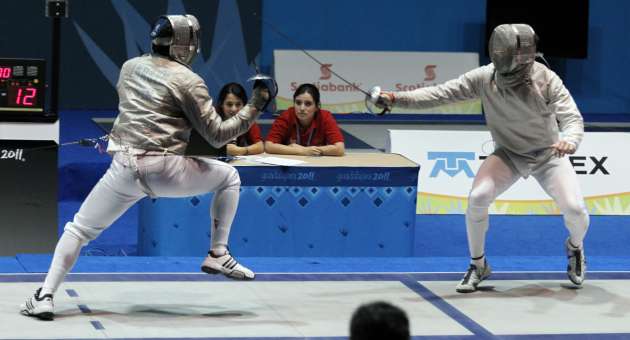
point(449, 160)
point(397, 71)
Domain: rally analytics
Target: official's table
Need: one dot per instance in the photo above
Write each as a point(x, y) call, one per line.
point(362, 204)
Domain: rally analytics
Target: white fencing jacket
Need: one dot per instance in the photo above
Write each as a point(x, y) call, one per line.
point(524, 120)
point(161, 101)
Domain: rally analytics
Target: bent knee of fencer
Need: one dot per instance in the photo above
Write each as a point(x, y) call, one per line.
point(478, 202)
point(576, 215)
point(233, 180)
point(480, 198)
point(84, 233)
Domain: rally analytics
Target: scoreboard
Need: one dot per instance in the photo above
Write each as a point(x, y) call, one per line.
point(22, 87)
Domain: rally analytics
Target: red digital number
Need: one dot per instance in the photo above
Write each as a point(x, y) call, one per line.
point(27, 99)
point(5, 72)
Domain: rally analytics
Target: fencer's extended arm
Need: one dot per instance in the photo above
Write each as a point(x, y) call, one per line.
point(197, 105)
point(562, 104)
point(466, 87)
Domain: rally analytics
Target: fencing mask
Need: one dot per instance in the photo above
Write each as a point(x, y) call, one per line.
point(512, 49)
point(180, 34)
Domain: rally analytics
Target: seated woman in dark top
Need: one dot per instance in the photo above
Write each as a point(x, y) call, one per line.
point(232, 98)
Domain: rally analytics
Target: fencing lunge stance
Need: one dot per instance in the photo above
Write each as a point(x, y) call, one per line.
point(161, 99)
point(526, 106)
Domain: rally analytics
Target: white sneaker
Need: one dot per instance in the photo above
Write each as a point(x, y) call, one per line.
point(39, 306)
point(576, 269)
point(227, 266)
point(473, 277)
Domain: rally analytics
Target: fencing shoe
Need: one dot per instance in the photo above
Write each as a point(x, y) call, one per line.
point(227, 266)
point(39, 306)
point(576, 269)
point(473, 277)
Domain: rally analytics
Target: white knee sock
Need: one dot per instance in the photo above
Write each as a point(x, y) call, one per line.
point(476, 228)
point(224, 205)
point(66, 254)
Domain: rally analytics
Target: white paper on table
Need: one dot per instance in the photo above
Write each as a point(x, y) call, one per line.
point(250, 158)
point(277, 161)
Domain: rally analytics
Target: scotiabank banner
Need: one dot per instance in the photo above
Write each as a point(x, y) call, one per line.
point(450, 159)
point(397, 71)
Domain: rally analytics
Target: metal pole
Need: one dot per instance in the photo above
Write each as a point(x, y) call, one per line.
point(55, 66)
point(55, 10)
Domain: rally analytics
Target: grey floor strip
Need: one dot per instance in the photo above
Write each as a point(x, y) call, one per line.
point(85, 309)
point(97, 325)
point(479, 331)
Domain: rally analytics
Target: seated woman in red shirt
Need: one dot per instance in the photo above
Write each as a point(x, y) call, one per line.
point(305, 129)
point(232, 98)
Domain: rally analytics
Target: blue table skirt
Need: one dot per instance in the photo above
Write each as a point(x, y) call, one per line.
point(294, 211)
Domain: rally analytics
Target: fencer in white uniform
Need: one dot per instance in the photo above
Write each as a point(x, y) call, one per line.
point(161, 100)
point(526, 106)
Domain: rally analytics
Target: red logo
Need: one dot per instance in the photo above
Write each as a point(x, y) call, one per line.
point(429, 72)
point(325, 69)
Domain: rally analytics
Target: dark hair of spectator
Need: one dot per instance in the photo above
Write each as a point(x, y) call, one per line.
point(310, 89)
point(230, 88)
point(379, 321)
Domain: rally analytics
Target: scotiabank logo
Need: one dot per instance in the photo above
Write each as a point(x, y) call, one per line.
point(325, 69)
point(329, 86)
point(429, 72)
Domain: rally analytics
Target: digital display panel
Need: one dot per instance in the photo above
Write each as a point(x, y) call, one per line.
point(22, 86)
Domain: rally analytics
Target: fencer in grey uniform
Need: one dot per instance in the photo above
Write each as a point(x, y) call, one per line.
point(161, 100)
point(526, 108)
